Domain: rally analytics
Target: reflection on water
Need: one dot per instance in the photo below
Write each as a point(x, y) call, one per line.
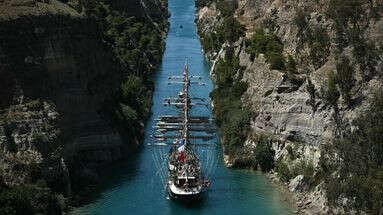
point(133, 186)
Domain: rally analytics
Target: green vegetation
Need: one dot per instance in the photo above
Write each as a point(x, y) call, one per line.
point(345, 12)
point(232, 118)
point(291, 65)
point(346, 15)
point(319, 42)
point(244, 162)
point(270, 46)
point(43, 144)
point(351, 19)
point(264, 155)
point(301, 21)
point(202, 3)
point(227, 8)
point(235, 126)
point(230, 30)
point(136, 43)
point(332, 94)
point(316, 38)
point(366, 54)
point(283, 170)
point(137, 46)
point(305, 168)
point(212, 41)
point(353, 166)
point(359, 163)
point(345, 79)
point(312, 92)
point(30, 199)
point(129, 106)
point(16, 201)
point(291, 152)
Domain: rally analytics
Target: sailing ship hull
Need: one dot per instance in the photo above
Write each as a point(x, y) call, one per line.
point(185, 178)
point(196, 196)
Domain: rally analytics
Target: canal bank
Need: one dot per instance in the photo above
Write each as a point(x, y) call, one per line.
point(133, 187)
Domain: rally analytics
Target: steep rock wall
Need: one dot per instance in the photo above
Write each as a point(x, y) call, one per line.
point(282, 107)
point(298, 125)
point(56, 72)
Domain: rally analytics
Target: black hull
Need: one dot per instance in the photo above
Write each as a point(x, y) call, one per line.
point(186, 198)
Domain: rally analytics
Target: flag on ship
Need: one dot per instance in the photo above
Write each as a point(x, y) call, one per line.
point(182, 157)
point(181, 147)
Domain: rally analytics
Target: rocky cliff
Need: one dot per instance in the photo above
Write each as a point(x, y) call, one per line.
point(57, 70)
point(289, 91)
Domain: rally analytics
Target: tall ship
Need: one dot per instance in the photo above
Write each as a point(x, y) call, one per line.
point(184, 133)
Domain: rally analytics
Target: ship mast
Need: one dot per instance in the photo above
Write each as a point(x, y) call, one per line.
point(185, 178)
point(186, 104)
point(184, 123)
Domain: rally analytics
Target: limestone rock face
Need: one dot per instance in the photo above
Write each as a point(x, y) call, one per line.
point(55, 73)
point(297, 184)
point(283, 106)
point(207, 18)
point(300, 122)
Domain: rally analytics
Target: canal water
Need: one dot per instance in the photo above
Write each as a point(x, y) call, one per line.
point(134, 186)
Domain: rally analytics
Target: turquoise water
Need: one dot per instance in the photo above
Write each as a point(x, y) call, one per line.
point(134, 187)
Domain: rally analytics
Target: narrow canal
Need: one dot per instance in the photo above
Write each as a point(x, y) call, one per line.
point(133, 187)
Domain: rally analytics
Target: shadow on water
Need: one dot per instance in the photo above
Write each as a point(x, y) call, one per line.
point(112, 175)
point(196, 206)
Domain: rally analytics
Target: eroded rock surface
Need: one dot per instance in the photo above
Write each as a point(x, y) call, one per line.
point(286, 111)
point(56, 73)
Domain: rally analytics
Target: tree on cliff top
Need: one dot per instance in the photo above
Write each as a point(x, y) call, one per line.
point(264, 155)
point(332, 94)
point(345, 79)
